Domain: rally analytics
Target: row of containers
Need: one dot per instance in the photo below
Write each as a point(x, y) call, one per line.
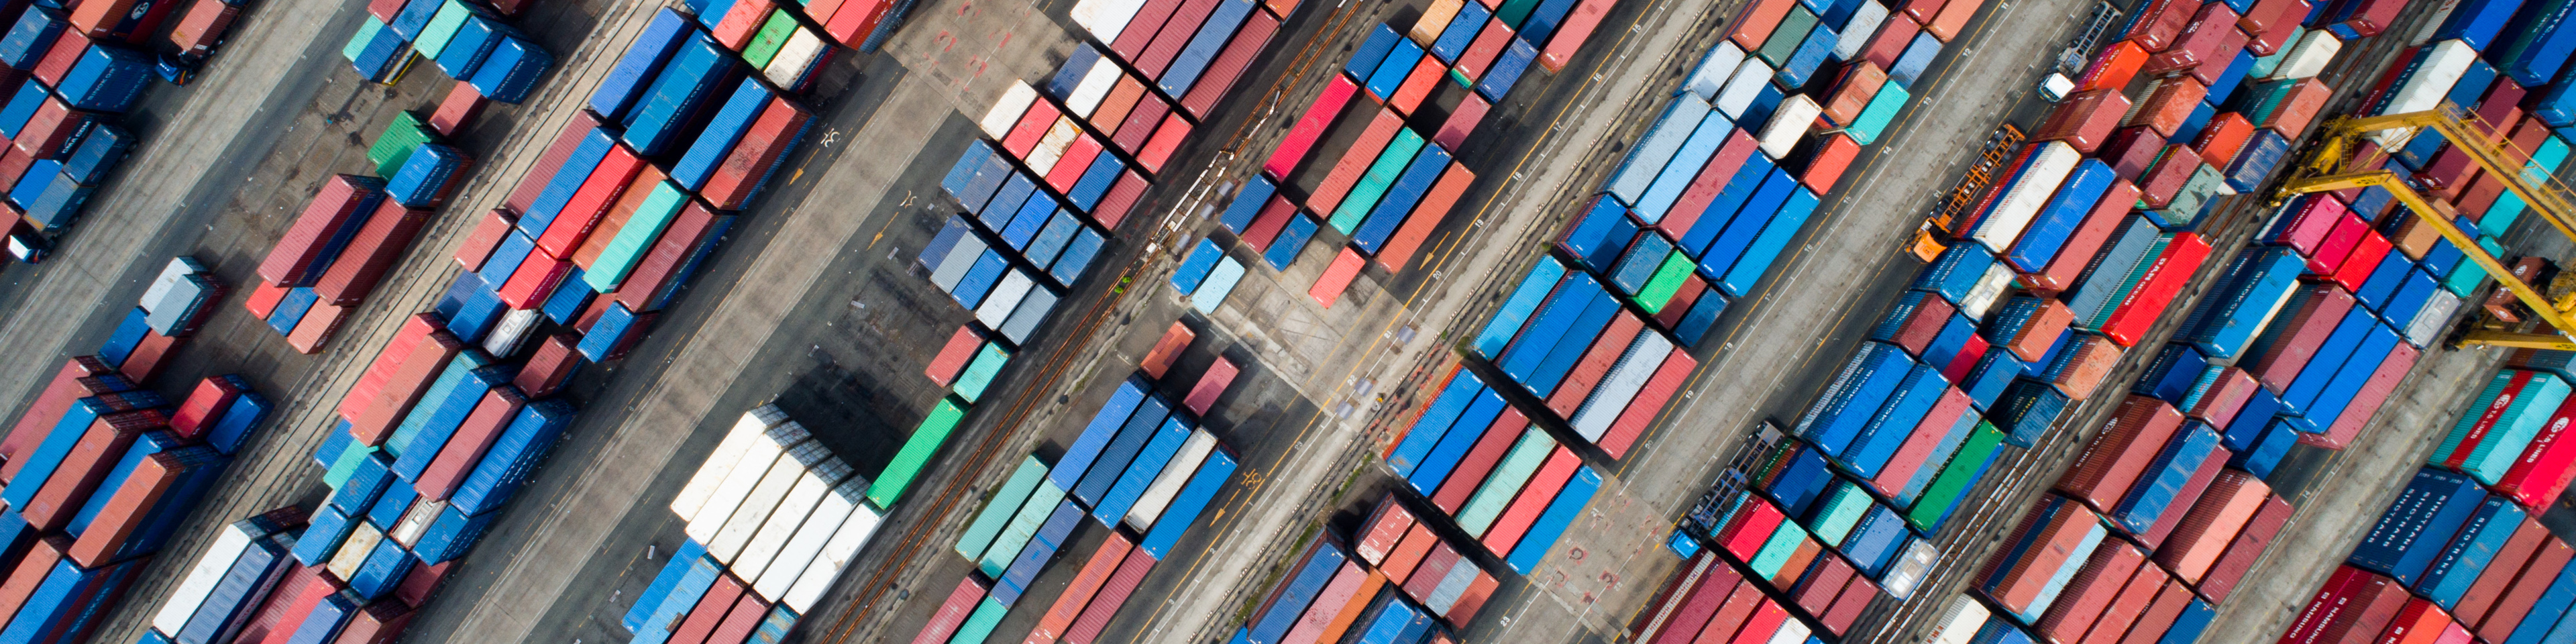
point(69, 70)
point(1066, 162)
point(2460, 551)
point(771, 517)
point(461, 406)
point(2299, 341)
point(1393, 580)
point(1386, 192)
point(101, 471)
point(1142, 469)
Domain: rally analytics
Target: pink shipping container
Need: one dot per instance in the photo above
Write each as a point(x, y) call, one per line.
point(1923, 440)
point(1686, 604)
point(1462, 121)
point(2076, 255)
point(1660, 388)
point(1033, 125)
point(1337, 595)
point(1385, 526)
point(1336, 278)
point(1705, 186)
point(1310, 128)
point(1211, 385)
point(1595, 363)
point(2160, 614)
point(1570, 34)
point(482, 239)
point(292, 260)
point(414, 331)
point(1355, 161)
point(2364, 406)
point(1532, 500)
point(2240, 554)
point(2530, 541)
point(1165, 141)
point(2133, 600)
point(1141, 28)
point(2226, 397)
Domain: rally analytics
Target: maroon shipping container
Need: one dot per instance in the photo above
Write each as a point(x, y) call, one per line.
point(379, 244)
point(2421, 621)
point(2131, 151)
point(482, 239)
point(1217, 82)
point(1068, 605)
point(291, 261)
point(2261, 20)
point(1384, 527)
point(2122, 451)
point(1112, 596)
point(465, 448)
point(1140, 124)
point(82, 469)
point(2185, 498)
point(2528, 541)
point(2203, 40)
point(130, 504)
point(553, 364)
point(2323, 606)
point(1533, 499)
point(551, 161)
point(2133, 600)
point(203, 26)
point(2090, 593)
point(1893, 36)
point(2365, 405)
point(2159, 615)
point(2213, 522)
point(67, 387)
point(1817, 590)
point(2372, 16)
point(2371, 602)
point(31, 570)
point(1685, 604)
point(1175, 34)
point(2085, 120)
point(44, 135)
point(58, 60)
point(2241, 553)
point(2107, 216)
point(396, 379)
point(1435, 567)
point(1481, 459)
point(780, 126)
point(2304, 330)
point(379, 622)
point(1122, 198)
point(2219, 405)
point(660, 266)
point(2168, 105)
point(2157, 187)
point(1924, 323)
point(952, 613)
point(1595, 363)
point(2525, 591)
point(1141, 28)
point(1660, 388)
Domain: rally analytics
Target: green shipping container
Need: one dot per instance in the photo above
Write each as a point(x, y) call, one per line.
point(2467, 276)
point(641, 230)
point(442, 28)
point(2513, 432)
point(1963, 471)
point(347, 465)
point(772, 35)
point(1506, 481)
point(980, 624)
point(1881, 111)
point(979, 373)
point(1776, 552)
point(1843, 508)
point(998, 511)
point(357, 44)
point(1666, 281)
point(1373, 185)
point(916, 453)
point(2468, 422)
point(1514, 12)
point(396, 144)
point(1022, 526)
point(2264, 65)
point(1786, 38)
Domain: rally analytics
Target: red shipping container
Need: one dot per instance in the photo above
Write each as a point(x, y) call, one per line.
point(463, 102)
point(58, 60)
point(1751, 528)
point(1408, 554)
point(1336, 278)
point(1310, 127)
point(735, 27)
point(2160, 22)
point(1762, 624)
point(1385, 526)
point(2169, 105)
point(2420, 622)
point(1176, 33)
point(472, 438)
point(2085, 120)
point(132, 502)
point(40, 560)
point(749, 166)
point(1739, 607)
point(2201, 41)
point(1817, 590)
point(1660, 388)
point(416, 329)
point(79, 474)
point(2159, 615)
point(2189, 494)
point(953, 356)
point(378, 245)
point(2225, 135)
point(2371, 603)
point(13, 166)
point(1920, 11)
point(1891, 40)
point(2524, 593)
point(1166, 140)
point(656, 272)
point(738, 623)
point(1267, 224)
point(1140, 124)
point(2090, 593)
point(2109, 465)
point(2308, 327)
point(1489, 44)
point(1806, 553)
point(1480, 461)
point(1068, 605)
point(2125, 608)
point(1121, 199)
point(2212, 524)
point(1112, 596)
point(1077, 159)
point(1952, 19)
point(46, 135)
point(1426, 217)
point(1479, 590)
point(294, 598)
point(2365, 405)
point(2156, 290)
point(1534, 496)
point(2528, 541)
point(2357, 265)
point(1570, 34)
point(1167, 350)
point(1033, 126)
point(2369, 17)
point(582, 214)
point(291, 261)
point(709, 612)
point(406, 372)
point(2032, 341)
point(1417, 85)
point(2107, 216)
point(1217, 82)
point(1832, 157)
point(2448, 174)
point(2029, 574)
point(2299, 109)
point(1922, 441)
point(535, 280)
point(550, 161)
point(210, 398)
point(58, 396)
point(1435, 567)
point(384, 10)
point(2165, 178)
point(2113, 68)
point(1755, 22)
point(631, 199)
point(1336, 598)
point(1847, 608)
point(485, 236)
point(1211, 385)
point(1595, 363)
point(856, 19)
point(316, 328)
point(1141, 28)
point(376, 623)
point(2543, 472)
point(1705, 186)
point(2323, 606)
point(149, 356)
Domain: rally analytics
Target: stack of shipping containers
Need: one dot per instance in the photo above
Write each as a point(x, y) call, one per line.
point(71, 70)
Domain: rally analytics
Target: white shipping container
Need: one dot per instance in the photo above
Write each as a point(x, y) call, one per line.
point(1988, 291)
point(513, 329)
point(1791, 632)
point(1959, 621)
point(1743, 88)
point(192, 590)
point(353, 552)
point(1005, 297)
point(2433, 318)
point(793, 58)
point(1788, 124)
point(1855, 34)
point(799, 504)
point(1714, 70)
point(179, 268)
point(736, 531)
point(416, 521)
point(728, 495)
point(1006, 110)
point(1627, 377)
point(1094, 88)
point(1051, 149)
point(2309, 57)
point(809, 539)
point(1106, 18)
point(2424, 89)
point(826, 568)
point(1911, 566)
point(2030, 189)
point(1167, 484)
point(1220, 282)
point(961, 258)
point(752, 429)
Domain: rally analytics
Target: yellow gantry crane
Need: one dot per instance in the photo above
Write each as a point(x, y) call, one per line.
point(2339, 160)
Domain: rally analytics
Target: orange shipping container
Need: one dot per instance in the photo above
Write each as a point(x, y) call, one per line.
point(2114, 67)
point(2169, 105)
point(2085, 120)
point(1756, 21)
point(1953, 17)
point(1852, 92)
point(1425, 218)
